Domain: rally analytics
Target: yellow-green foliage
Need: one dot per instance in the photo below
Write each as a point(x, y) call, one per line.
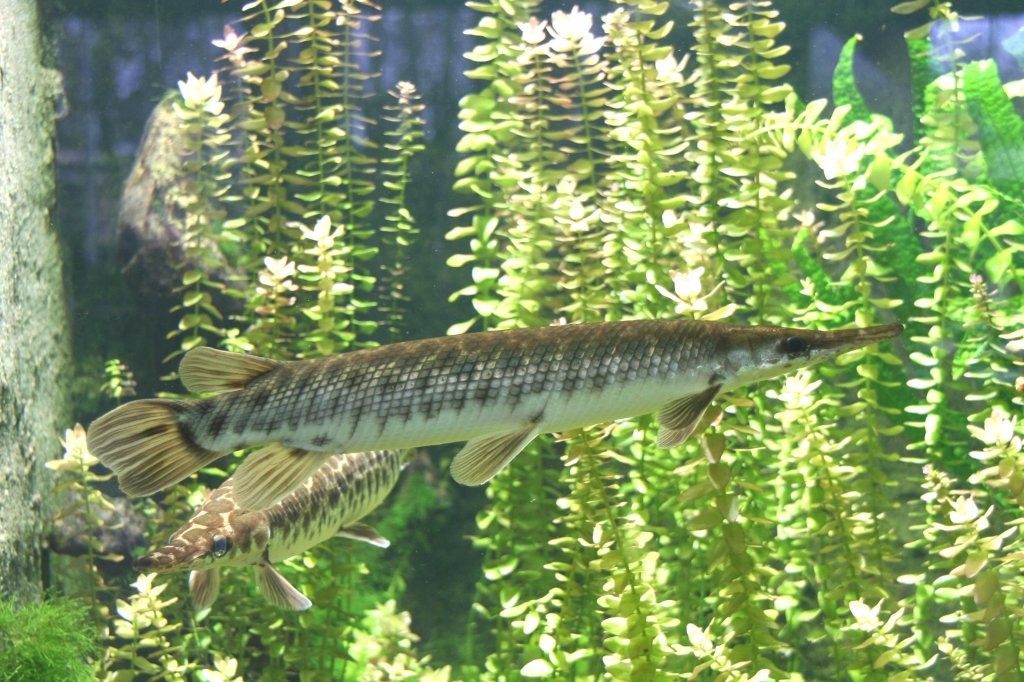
point(47, 641)
point(782, 543)
point(279, 211)
point(859, 521)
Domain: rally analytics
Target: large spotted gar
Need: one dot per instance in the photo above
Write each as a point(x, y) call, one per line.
point(329, 504)
point(497, 390)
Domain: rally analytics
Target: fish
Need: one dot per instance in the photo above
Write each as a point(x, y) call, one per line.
point(329, 504)
point(496, 390)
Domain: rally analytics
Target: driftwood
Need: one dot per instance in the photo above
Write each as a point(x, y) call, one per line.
point(121, 529)
point(151, 217)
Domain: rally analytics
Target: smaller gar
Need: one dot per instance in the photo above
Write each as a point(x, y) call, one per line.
point(329, 504)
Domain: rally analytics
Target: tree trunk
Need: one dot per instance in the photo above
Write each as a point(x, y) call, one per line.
point(33, 349)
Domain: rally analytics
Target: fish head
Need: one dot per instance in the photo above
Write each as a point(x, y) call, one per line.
point(235, 539)
point(751, 354)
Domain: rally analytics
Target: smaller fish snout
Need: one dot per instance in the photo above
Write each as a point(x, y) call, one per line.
point(152, 562)
point(168, 559)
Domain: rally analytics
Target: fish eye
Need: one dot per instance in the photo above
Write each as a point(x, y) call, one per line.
point(221, 545)
point(795, 345)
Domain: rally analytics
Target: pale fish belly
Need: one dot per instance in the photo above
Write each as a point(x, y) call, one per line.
point(552, 411)
point(456, 389)
point(586, 408)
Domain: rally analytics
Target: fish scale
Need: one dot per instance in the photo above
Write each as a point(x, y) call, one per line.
point(344, 490)
point(356, 397)
point(495, 390)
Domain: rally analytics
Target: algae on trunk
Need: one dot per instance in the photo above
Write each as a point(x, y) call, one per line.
point(33, 350)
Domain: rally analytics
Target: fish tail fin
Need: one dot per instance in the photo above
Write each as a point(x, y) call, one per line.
point(204, 587)
point(146, 445)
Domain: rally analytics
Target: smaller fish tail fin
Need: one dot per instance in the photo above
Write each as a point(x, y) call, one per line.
point(208, 370)
point(271, 473)
point(204, 587)
point(143, 442)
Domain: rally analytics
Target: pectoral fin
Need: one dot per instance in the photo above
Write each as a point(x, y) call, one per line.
point(278, 591)
point(680, 417)
point(273, 471)
point(204, 586)
point(360, 531)
point(483, 457)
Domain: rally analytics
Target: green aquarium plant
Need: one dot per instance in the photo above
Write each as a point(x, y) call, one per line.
point(813, 469)
point(276, 209)
point(51, 640)
point(855, 521)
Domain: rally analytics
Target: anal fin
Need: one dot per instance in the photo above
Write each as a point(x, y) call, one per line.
point(482, 457)
point(204, 587)
point(276, 589)
point(364, 533)
point(208, 370)
point(680, 417)
point(272, 472)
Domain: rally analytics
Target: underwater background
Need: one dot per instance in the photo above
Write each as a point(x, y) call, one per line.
point(502, 163)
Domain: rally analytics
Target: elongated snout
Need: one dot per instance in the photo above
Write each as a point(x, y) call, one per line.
point(825, 345)
point(167, 559)
point(842, 340)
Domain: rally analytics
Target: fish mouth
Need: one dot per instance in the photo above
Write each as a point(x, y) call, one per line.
point(839, 341)
point(163, 561)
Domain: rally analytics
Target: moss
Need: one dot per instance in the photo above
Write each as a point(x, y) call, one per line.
point(51, 640)
point(844, 82)
point(1000, 128)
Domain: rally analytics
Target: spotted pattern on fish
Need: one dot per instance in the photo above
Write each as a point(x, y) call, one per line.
point(495, 391)
point(423, 378)
point(355, 485)
point(344, 490)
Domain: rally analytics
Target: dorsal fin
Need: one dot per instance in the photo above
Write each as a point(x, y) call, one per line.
point(207, 370)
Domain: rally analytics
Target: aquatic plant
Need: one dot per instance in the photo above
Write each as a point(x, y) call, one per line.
point(278, 201)
point(149, 637)
point(404, 140)
point(384, 648)
point(79, 486)
point(859, 521)
point(51, 640)
point(205, 166)
point(745, 531)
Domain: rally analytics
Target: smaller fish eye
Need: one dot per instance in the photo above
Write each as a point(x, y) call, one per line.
point(221, 545)
point(795, 345)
